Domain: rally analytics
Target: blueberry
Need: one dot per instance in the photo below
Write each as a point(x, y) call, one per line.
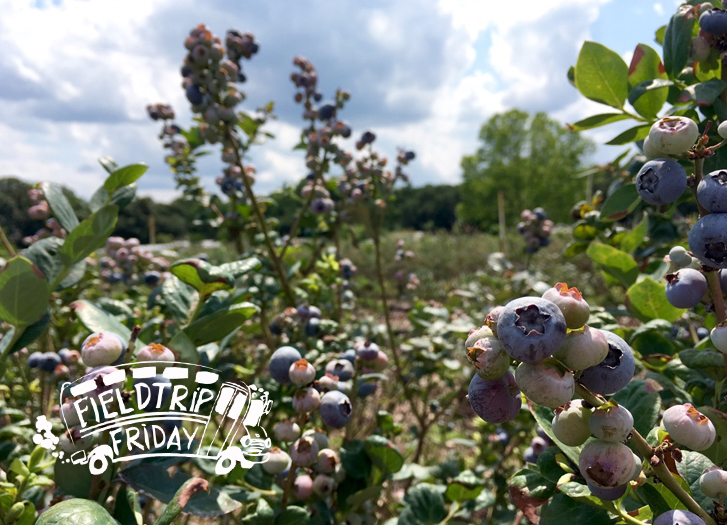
point(317, 97)
point(349, 355)
point(103, 348)
point(287, 431)
point(495, 401)
point(570, 301)
point(689, 427)
point(320, 437)
point(304, 452)
point(49, 361)
point(368, 137)
point(335, 409)
point(194, 95)
point(327, 461)
point(611, 422)
point(529, 455)
point(702, 332)
point(673, 135)
point(312, 327)
point(708, 240)
point(489, 358)
point(326, 111)
point(69, 357)
point(615, 371)
point(409, 155)
point(661, 181)
point(368, 351)
point(531, 328)
point(718, 337)
point(341, 368)
point(714, 22)
point(303, 487)
point(155, 352)
point(713, 483)
point(608, 494)
point(280, 363)
point(540, 214)
point(570, 423)
point(157, 395)
point(278, 461)
point(34, 359)
point(323, 485)
point(306, 400)
point(605, 464)
point(679, 256)
point(545, 384)
point(476, 335)
point(302, 373)
point(582, 348)
point(685, 288)
point(502, 437)
point(679, 517)
point(366, 388)
point(712, 192)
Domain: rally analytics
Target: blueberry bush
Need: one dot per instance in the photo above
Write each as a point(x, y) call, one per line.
point(517, 399)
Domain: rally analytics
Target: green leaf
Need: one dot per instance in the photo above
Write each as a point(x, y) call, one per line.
point(202, 276)
point(217, 325)
point(293, 516)
point(155, 481)
point(646, 300)
point(631, 135)
point(263, 515)
point(694, 358)
point(620, 203)
point(384, 454)
point(120, 198)
point(602, 75)
point(573, 248)
point(677, 43)
point(691, 468)
point(704, 93)
point(97, 320)
point(579, 492)
point(178, 298)
point(30, 334)
point(89, 235)
point(239, 268)
point(424, 506)
point(465, 487)
point(718, 451)
point(652, 88)
point(597, 121)
point(123, 177)
point(76, 511)
point(659, 35)
point(643, 404)
point(127, 510)
point(62, 210)
point(185, 348)
point(533, 483)
point(614, 262)
point(108, 164)
point(24, 292)
point(355, 460)
point(635, 237)
point(646, 66)
point(562, 509)
point(45, 254)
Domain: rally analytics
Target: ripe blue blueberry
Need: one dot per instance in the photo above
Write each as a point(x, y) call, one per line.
point(341, 368)
point(366, 388)
point(712, 192)
point(714, 22)
point(661, 181)
point(685, 288)
point(335, 409)
point(194, 95)
point(312, 327)
point(530, 456)
point(155, 390)
point(678, 517)
point(34, 359)
point(540, 214)
point(103, 348)
point(349, 355)
point(326, 111)
point(615, 371)
point(702, 332)
point(531, 328)
point(280, 363)
point(49, 361)
point(708, 240)
point(495, 401)
point(368, 351)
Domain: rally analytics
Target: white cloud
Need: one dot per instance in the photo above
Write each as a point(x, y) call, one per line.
point(659, 9)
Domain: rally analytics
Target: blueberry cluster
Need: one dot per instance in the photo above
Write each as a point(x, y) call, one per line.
point(304, 318)
point(125, 261)
point(535, 227)
point(40, 211)
point(57, 363)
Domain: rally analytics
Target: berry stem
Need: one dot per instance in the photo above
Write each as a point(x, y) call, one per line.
point(698, 173)
point(640, 444)
point(7, 243)
point(716, 291)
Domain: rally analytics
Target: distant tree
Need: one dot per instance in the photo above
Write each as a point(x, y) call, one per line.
point(534, 160)
point(430, 207)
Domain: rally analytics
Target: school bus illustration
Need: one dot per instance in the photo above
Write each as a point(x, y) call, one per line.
point(232, 419)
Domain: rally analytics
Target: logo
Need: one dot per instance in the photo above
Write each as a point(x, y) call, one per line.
point(158, 408)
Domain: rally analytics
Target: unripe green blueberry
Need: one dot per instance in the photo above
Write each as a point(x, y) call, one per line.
point(583, 348)
point(302, 373)
point(713, 483)
point(637, 468)
point(611, 422)
point(570, 302)
point(327, 461)
point(287, 431)
point(155, 352)
point(570, 423)
point(278, 461)
point(689, 427)
point(323, 485)
point(489, 358)
point(492, 317)
point(722, 130)
point(680, 257)
point(319, 435)
point(103, 348)
point(605, 464)
point(304, 452)
point(545, 383)
point(719, 337)
point(651, 152)
point(700, 49)
point(674, 135)
point(477, 334)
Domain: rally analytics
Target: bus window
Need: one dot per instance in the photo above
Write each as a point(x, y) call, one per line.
point(223, 400)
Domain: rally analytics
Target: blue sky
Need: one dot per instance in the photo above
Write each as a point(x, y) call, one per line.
point(424, 74)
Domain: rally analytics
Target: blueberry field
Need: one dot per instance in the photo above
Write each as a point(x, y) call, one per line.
point(544, 343)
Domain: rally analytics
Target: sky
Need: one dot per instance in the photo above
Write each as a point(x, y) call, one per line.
point(76, 76)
